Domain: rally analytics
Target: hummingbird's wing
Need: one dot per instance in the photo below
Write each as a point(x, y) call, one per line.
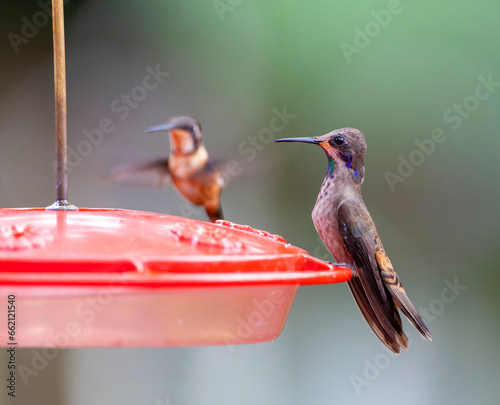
point(147, 174)
point(367, 286)
point(376, 282)
point(392, 281)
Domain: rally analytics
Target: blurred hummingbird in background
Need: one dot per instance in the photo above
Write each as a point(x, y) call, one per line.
point(189, 167)
point(348, 231)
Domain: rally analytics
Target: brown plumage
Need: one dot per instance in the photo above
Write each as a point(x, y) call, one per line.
point(189, 167)
point(347, 230)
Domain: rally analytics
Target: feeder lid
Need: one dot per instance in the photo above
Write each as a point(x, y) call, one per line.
point(89, 246)
point(109, 278)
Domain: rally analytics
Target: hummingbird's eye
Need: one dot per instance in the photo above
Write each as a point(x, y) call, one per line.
point(338, 140)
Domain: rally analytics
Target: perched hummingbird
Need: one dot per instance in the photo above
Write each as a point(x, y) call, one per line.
point(347, 229)
point(189, 167)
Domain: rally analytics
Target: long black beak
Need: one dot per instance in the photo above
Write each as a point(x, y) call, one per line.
point(158, 128)
point(304, 140)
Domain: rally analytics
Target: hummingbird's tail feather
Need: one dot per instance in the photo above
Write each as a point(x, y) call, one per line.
point(398, 293)
point(405, 305)
point(393, 338)
point(214, 214)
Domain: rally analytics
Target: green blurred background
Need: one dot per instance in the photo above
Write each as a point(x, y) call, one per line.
point(230, 64)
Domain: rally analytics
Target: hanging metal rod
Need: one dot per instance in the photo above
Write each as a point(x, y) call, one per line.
point(62, 202)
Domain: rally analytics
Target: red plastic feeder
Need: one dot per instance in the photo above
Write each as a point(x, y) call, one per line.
point(106, 278)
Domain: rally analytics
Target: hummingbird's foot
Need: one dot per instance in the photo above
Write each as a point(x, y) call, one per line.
point(342, 264)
